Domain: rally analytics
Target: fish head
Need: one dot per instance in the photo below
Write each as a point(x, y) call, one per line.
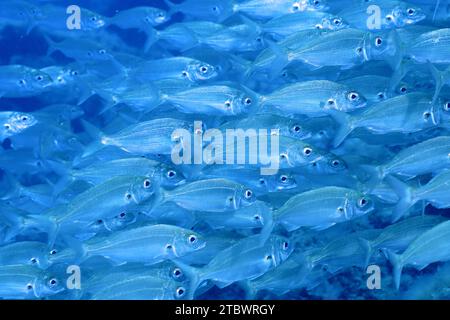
point(405, 14)
point(140, 190)
point(91, 20)
point(310, 5)
point(329, 164)
point(282, 248)
point(381, 45)
point(200, 71)
point(347, 100)
point(298, 154)
point(49, 285)
point(187, 241)
point(245, 196)
point(155, 16)
point(56, 256)
point(177, 273)
point(281, 181)
point(333, 23)
point(39, 80)
point(362, 204)
point(19, 121)
point(171, 178)
point(242, 103)
point(297, 129)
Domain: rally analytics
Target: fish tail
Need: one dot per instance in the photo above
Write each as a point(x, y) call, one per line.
point(438, 80)
point(346, 126)
point(367, 247)
point(397, 265)
point(193, 275)
point(97, 137)
point(152, 37)
point(405, 194)
point(249, 290)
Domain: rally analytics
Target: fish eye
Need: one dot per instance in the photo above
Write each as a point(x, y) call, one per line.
point(147, 184)
point(177, 273)
point(335, 163)
point(248, 101)
point(403, 89)
point(192, 239)
point(447, 106)
point(307, 151)
point(53, 252)
point(99, 221)
point(340, 209)
point(128, 196)
point(171, 174)
point(283, 156)
point(94, 18)
point(22, 82)
point(268, 257)
point(353, 96)
point(184, 73)
point(102, 51)
point(74, 73)
point(204, 69)
point(29, 286)
point(161, 14)
point(337, 21)
point(426, 115)
point(227, 103)
point(180, 292)
point(378, 41)
point(389, 18)
point(169, 246)
point(319, 26)
point(53, 282)
point(7, 126)
point(24, 118)
point(362, 202)
point(258, 39)
point(39, 78)
point(122, 215)
point(248, 194)
point(411, 11)
point(33, 260)
point(262, 181)
point(285, 245)
point(257, 217)
point(297, 128)
point(283, 178)
point(295, 6)
point(359, 50)
point(331, 102)
point(381, 95)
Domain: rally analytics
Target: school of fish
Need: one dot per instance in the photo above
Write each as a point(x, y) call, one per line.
point(93, 205)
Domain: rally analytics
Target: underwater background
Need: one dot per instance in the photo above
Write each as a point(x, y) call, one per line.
point(119, 179)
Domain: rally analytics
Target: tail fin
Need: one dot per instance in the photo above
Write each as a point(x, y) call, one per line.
point(97, 137)
point(152, 37)
point(367, 246)
point(397, 265)
point(193, 275)
point(346, 126)
point(438, 79)
point(405, 194)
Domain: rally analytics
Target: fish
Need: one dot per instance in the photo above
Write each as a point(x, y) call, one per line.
point(159, 242)
point(431, 246)
point(13, 123)
point(224, 269)
point(317, 97)
point(27, 282)
point(408, 113)
point(322, 208)
point(31, 253)
point(22, 81)
point(398, 236)
point(223, 195)
point(430, 46)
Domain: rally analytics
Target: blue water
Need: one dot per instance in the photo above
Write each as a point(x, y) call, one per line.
point(94, 205)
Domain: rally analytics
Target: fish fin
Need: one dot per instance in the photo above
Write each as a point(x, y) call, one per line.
point(346, 126)
point(397, 265)
point(438, 77)
point(249, 289)
point(192, 274)
point(267, 228)
point(438, 3)
point(152, 38)
point(97, 137)
point(405, 194)
point(367, 247)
